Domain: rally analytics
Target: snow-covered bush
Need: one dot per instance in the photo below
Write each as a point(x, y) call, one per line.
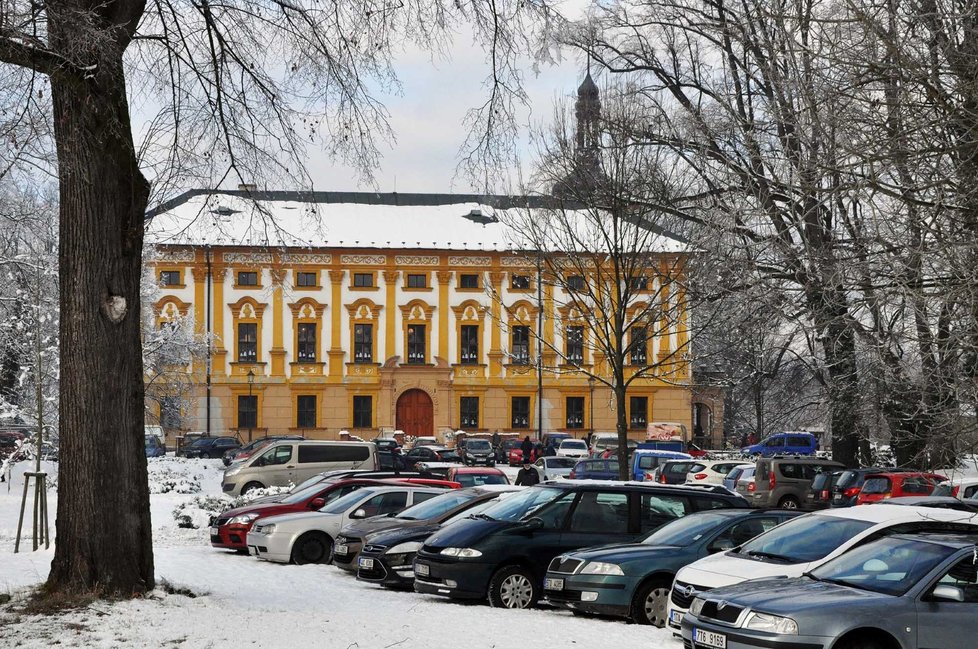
point(197, 512)
point(163, 479)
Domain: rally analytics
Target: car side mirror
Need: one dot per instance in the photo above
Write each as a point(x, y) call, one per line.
point(360, 513)
point(722, 545)
point(534, 523)
point(947, 592)
point(317, 503)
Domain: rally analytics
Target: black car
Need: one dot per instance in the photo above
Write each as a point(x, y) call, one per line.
point(385, 443)
point(504, 552)
point(820, 493)
point(502, 451)
point(433, 511)
point(478, 451)
point(850, 483)
point(213, 447)
point(429, 454)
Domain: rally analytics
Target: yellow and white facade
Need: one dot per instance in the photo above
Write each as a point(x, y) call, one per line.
point(369, 312)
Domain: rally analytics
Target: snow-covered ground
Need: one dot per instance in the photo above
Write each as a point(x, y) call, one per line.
point(241, 601)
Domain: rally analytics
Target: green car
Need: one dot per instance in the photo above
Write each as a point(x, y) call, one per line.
point(632, 580)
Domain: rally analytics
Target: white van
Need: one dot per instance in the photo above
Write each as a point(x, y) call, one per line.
point(291, 462)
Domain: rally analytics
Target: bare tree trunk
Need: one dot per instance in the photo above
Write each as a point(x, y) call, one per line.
point(104, 535)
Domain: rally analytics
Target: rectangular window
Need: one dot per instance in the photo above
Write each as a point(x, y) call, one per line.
point(363, 280)
point(469, 412)
point(519, 282)
point(247, 278)
point(307, 343)
point(575, 345)
point(575, 283)
point(417, 281)
point(575, 412)
point(362, 411)
point(638, 412)
point(305, 411)
point(639, 283)
point(470, 344)
point(521, 412)
point(247, 411)
point(169, 278)
point(468, 281)
point(363, 343)
point(521, 346)
point(306, 279)
point(247, 342)
point(639, 346)
point(601, 513)
point(416, 344)
point(333, 452)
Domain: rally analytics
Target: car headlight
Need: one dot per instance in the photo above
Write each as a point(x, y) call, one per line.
point(600, 568)
point(231, 470)
point(243, 519)
point(462, 553)
point(697, 606)
point(407, 546)
point(268, 529)
point(771, 624)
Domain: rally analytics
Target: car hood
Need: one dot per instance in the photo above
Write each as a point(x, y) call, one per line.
point(376, 524)
point(624, 552)
point(466, 532)
point(265, 509)
point(725, 568)
point(391, 538)
point(300, 518)
point(785, 596)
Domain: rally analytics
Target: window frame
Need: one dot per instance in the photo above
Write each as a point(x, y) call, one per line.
point(521, 359)
point(411, 349)
point(243, 344)
point(171, 274)
point(238, 276)
point(515, 278)
point(240, 411)
point(470, 339)
point(632, 422)
point(362, 406)
point(414, 277)
point(577, 341)
point(643, 349)
point(300, 410)
point(513, 412)
point(357, 277)
point(473, 411)
point(461, 281)
point(302, 346)
point(303, 276)
point(578, 414)
point(358, 357)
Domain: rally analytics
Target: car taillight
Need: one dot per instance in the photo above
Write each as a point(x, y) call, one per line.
point(824, 494)
point(699, 476)
point(571, 475)
point(954, 491)
point(649, 476)
point(662, 478)
point(751, 486)
point(851, 491)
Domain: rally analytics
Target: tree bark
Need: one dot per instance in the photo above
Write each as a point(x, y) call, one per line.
point(104, 536)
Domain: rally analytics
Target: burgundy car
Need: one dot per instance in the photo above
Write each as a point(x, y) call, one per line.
point(229, 530)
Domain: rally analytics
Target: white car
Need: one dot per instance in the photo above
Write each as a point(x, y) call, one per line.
point(572, 448)
point(800, 545)
point(549, 468)
point(957, 488)
point(710, 471)
point(307, 537)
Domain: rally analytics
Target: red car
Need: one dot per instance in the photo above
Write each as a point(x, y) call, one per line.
point(229, 530)
point(880, 486)
point(515, 456)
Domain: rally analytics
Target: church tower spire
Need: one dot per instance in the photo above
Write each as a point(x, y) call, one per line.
point(586, 170)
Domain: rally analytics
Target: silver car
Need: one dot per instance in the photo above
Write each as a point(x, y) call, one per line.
point(902, 591)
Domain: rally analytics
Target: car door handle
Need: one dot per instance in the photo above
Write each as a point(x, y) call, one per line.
point(291, 466)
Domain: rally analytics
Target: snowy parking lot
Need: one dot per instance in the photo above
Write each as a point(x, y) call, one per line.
point(236, 600)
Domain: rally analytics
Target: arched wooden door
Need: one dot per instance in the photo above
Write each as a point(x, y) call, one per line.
point(415, 413)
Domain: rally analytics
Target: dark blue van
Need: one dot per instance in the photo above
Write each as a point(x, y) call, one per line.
point(790, 443)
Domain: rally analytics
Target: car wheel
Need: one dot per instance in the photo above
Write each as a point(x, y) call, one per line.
point(651, 602)
point(251, 485)
point(788, 502)
point(312, 547)
point(513, 587)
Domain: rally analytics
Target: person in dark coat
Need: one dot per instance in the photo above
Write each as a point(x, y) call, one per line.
point(527, 448)
point(551, 449)
point(528, 476)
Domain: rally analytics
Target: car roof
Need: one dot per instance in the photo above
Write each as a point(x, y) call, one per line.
point(632, 484)
point(484, 470)
point(883, 513)
point(655, 452)
point(958, 540)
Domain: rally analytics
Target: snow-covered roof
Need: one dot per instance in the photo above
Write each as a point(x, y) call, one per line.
point(353, 220)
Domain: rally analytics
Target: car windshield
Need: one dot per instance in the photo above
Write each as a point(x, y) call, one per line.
point(821, 481)
point(804, 539)
point(943, 489)
point(523, 503)
point(349, 500)
point(436, 506)
point(890, 565)
point(298, 495)
point(305, 484)
point(201, 441)
point(560, 462)
point(477, 445)
point(686, 530)
point(846, 480)
point(573, 443)
point(475, 510)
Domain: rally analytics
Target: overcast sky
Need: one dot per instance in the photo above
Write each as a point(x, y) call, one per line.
point(427, 119)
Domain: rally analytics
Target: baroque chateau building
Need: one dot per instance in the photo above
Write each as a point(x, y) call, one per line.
point(368, 312)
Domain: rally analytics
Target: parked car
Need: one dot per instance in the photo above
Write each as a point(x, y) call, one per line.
point(746, 485)
point(600, 442)
point(675, 471)
point(391, 460)
point(154, 446)
point(478, 451)
point(803, 544)
point(957, 488)
point(849, 484)
point(514, 456)
point(880, 486)
point(504, 553)
point(820, 492)
point(611, 452)
point(646, 461)
point(388, 557)
point(710, 471)
point(572, 448)
point(792, 443)
point(632, 580)
point(293, 461)
point(210, 447)
point(434, 511)
point(549, 468)
point(942, 502)
point(733, 476)
point(556, 438)
point(502, 451)
point(594, 469)
point(916, 590)
point(307, 537)
point(477, 476)
point(244, 452)
point(784, 481)
point(385, 443)
point(430, 454)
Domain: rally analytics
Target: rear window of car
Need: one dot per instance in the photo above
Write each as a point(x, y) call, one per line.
point(477, 480)
point(821, 481)
point(804, 539)
point(560, 462)
point(310, 453)
point(944, 489)
point(917, 485)
point(880, 485)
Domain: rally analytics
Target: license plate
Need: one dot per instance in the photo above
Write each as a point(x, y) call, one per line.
point(341, 549)
point(421, 569)
point(366, 564)
point(214, 531)
point(676, 617)
point(553, 584)
point(710, 639)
